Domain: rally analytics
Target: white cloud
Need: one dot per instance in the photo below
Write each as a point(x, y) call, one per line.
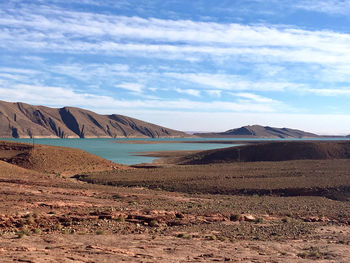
point(57, 30)
point(89, 71)
point(328, 92)
point(325, 6)
point(219, 47)
point(191, 92)
point(133, 87)
point(19, 71)
point(58, 97)
point(231, 82)
point(255, 97)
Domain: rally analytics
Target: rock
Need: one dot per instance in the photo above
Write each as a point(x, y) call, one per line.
point(180, 215)
point(236, 217)
point(249, 218)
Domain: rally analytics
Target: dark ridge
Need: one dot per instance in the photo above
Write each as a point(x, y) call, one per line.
point(82, 133)
point(281, 132)
point(21, 108)
point(94, 121)
point(118, 118)
point(108, 131)
point(142, 130)
point(70, 121)
point(116, 125)
point(58, 132)
point(240, 131)
point(14, 132)
point(39, 118)
point(274, 151)
point(165, 131)
point(30, 133)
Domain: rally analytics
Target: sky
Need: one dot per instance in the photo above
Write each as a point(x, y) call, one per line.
point(201, 65)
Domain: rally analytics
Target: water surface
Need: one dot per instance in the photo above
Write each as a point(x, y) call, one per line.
point(124, 153)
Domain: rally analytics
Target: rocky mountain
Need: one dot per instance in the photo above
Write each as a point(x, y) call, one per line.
point(20, 120)
point(257, 131)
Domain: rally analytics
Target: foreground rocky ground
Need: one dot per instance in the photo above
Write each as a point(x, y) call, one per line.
point(50, 217)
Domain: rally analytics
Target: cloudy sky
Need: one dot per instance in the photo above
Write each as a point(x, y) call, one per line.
point(201, 65)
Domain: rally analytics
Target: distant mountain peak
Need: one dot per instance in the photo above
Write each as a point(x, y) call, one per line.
point(259, 131)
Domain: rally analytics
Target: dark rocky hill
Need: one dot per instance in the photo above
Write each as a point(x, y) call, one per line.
point(20, 120)
point(257, 131)
point(272, 151)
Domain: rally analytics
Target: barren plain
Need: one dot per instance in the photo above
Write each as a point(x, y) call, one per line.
point(64, 205)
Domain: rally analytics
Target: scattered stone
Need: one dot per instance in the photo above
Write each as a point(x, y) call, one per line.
point(249, 218)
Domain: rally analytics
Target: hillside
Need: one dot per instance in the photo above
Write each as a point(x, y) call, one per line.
point(53, 159)
point(257, 131)
point(20, 120)
point(274, 151)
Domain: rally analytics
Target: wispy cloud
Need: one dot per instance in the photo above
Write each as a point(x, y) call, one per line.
point(89, 55)
point(328, 92)
point(57, 97)
point(86, 72)
point(255, 97)
point(57, 30)
point(325, 6)
point(133, 87)
point(230, 82)
point(191, 92)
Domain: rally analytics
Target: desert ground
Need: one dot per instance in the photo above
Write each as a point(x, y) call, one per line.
point(65, 205)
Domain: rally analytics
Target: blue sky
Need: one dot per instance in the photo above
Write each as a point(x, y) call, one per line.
point(202, 65)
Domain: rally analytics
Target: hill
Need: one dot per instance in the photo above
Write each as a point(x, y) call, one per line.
point(257, 131)
point(53, 159)
point(273, 151)
point(20, 120)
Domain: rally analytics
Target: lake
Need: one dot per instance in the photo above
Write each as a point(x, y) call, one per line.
point(123, 153)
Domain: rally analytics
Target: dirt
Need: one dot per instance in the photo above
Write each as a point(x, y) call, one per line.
point(272, 151)
point(47, 217)
point(146, 248)
point(58, 160)
point(328, 178)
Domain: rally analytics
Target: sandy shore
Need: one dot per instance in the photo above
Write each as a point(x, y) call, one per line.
point(166, 141)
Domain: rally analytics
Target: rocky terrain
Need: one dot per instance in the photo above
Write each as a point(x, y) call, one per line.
point(189, 213)
point(272, 151)
point(257, 131)
point(20, 120)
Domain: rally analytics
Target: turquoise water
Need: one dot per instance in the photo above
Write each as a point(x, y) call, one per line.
point(124, 153)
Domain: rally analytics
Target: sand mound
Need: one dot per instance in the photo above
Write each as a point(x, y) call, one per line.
point(274, 151)
point(10, 171)
point(53, 159)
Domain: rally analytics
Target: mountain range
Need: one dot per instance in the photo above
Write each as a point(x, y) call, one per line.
point(20, 120)
point(258, 131)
